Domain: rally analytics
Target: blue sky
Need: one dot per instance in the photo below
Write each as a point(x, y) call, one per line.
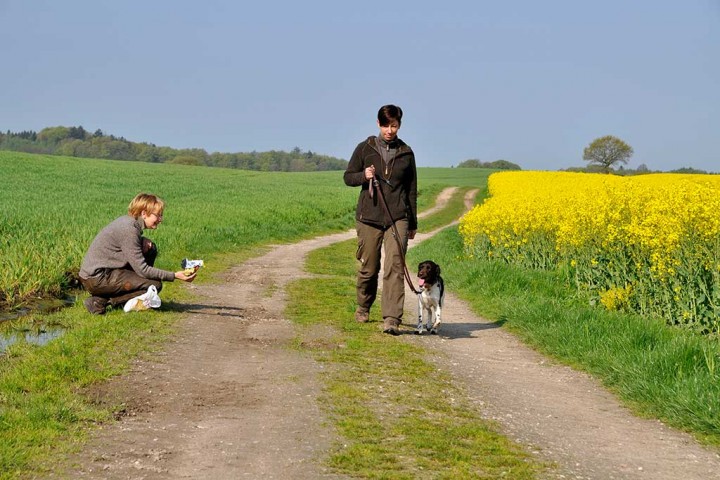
point(532, 82)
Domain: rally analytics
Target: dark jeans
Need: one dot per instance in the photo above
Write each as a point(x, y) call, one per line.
point(118, 285)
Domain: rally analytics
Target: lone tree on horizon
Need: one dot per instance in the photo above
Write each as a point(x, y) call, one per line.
point(607, 151)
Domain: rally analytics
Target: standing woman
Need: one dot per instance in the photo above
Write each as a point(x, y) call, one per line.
point(392, 162)
point(119, 263)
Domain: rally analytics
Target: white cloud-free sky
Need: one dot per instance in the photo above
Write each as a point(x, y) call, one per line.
point(532, 82)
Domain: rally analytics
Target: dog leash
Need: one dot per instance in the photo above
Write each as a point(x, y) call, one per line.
point(375, 185)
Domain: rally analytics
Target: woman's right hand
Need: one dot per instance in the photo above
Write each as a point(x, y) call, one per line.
point(180, 275)
point(370, 172)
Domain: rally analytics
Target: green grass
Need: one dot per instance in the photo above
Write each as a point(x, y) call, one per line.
point(43, 414)
point(399, 418)
point(54, 206)
point(659, 371)
point(396, 414)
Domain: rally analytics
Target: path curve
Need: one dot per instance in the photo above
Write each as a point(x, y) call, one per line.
point(227, 399)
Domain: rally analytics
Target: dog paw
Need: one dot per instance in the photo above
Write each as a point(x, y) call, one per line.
point(433, 331)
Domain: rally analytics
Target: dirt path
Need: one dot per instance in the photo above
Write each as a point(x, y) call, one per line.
point(228, 399)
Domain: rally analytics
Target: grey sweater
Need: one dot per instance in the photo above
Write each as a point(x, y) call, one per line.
point(119, 245)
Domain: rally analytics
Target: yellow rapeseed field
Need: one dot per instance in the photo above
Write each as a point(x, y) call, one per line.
point(648, 243)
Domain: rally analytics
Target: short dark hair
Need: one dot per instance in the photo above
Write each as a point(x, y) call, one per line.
point(388, 113)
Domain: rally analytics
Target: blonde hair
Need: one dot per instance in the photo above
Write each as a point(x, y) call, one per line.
point(145, 202)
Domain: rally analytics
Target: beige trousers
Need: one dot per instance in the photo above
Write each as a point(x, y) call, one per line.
point(370, 242)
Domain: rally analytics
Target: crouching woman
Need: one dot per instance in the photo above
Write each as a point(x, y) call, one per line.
point(119, 263)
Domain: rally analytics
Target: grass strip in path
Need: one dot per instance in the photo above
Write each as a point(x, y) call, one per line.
point(399, 417)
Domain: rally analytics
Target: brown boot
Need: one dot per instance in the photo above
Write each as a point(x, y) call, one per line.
point(96, 305)
point(362, 315)
point(390, 326)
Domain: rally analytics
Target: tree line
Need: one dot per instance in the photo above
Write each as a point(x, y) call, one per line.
point(607, 154)
point(78, 142)
point(497, 164)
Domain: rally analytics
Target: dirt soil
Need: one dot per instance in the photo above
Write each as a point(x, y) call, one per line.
point(227, 398)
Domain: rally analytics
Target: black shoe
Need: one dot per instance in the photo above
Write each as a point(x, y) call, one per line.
point(96, 305)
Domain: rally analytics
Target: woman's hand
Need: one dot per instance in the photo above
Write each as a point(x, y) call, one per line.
point(180, 275)
point(411, 234)
point(370, 172)
point(146, 245)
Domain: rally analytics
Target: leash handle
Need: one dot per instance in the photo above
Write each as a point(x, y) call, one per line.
point(376, 186)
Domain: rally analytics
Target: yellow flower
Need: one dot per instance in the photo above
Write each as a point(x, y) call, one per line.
point(657, 229)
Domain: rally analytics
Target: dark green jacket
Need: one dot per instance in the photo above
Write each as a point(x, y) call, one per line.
point(399, 186)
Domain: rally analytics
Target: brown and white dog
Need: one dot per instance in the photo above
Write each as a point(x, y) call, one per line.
point(431, 296)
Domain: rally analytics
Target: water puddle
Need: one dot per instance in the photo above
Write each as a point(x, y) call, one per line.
point(39, 336)
point(14, 329)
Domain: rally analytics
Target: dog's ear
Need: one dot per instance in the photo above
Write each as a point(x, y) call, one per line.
point(438, 268)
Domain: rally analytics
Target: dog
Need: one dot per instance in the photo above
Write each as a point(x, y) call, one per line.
point(430, 298)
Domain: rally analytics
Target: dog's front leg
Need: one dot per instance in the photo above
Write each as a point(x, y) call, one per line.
point(438, 320)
